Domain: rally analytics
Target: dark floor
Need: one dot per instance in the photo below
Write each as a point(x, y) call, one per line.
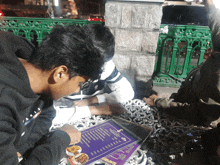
point(144, 89)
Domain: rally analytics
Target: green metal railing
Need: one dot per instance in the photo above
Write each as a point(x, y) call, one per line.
point(37, 28)
point(179, 51)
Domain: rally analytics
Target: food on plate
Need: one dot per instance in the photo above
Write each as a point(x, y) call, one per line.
point(73, 150)
point(79, 159)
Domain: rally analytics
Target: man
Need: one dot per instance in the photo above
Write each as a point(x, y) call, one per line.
point(29, 80)
point(101, 96)
point(198, 99)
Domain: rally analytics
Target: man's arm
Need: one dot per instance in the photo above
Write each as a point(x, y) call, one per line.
point(67, 115)
point(51, 147)
point(101, 104)
point(199, 113)
point(107, 109)
point(49, 152)
point(36, 129)
point(121, 89)
point(153, 100)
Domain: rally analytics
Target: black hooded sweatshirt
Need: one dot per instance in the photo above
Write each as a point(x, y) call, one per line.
point(18, 104)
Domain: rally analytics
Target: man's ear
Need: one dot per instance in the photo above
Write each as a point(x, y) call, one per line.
point(60, 74)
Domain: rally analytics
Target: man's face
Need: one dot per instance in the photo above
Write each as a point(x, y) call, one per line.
point(68, 87)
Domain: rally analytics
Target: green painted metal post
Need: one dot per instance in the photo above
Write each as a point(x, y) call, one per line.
point(186, 62)
point(160, 57)
point(173, 58)
point(201, 57)
point(27, 34)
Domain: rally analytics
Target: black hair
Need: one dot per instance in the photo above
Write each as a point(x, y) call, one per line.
point(69, 46)
point(102, 39)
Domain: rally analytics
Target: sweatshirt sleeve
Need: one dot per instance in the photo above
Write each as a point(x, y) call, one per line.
point(36, 129)
point(7, 137)
point(48, 152)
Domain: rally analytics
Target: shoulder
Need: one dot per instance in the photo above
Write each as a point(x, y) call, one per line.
point(13, 98)
point(108, 68)
point(109, 64)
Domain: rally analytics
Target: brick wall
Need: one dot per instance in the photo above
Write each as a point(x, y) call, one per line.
point(136, 29)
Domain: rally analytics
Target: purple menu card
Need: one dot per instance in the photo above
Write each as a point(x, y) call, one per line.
point(120, 156)
point(101, 140)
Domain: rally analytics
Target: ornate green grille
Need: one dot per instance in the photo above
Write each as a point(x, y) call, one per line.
point(37, 28)
point(179, 51)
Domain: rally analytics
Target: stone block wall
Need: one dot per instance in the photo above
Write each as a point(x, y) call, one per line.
point(135, 26)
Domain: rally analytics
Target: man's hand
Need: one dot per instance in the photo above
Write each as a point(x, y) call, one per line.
point(107, 109)
point(74, 134)
point(18, 154)
point(150, 100)
point(86, 102)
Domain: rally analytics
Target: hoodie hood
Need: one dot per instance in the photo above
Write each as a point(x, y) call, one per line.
point(12, 72)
